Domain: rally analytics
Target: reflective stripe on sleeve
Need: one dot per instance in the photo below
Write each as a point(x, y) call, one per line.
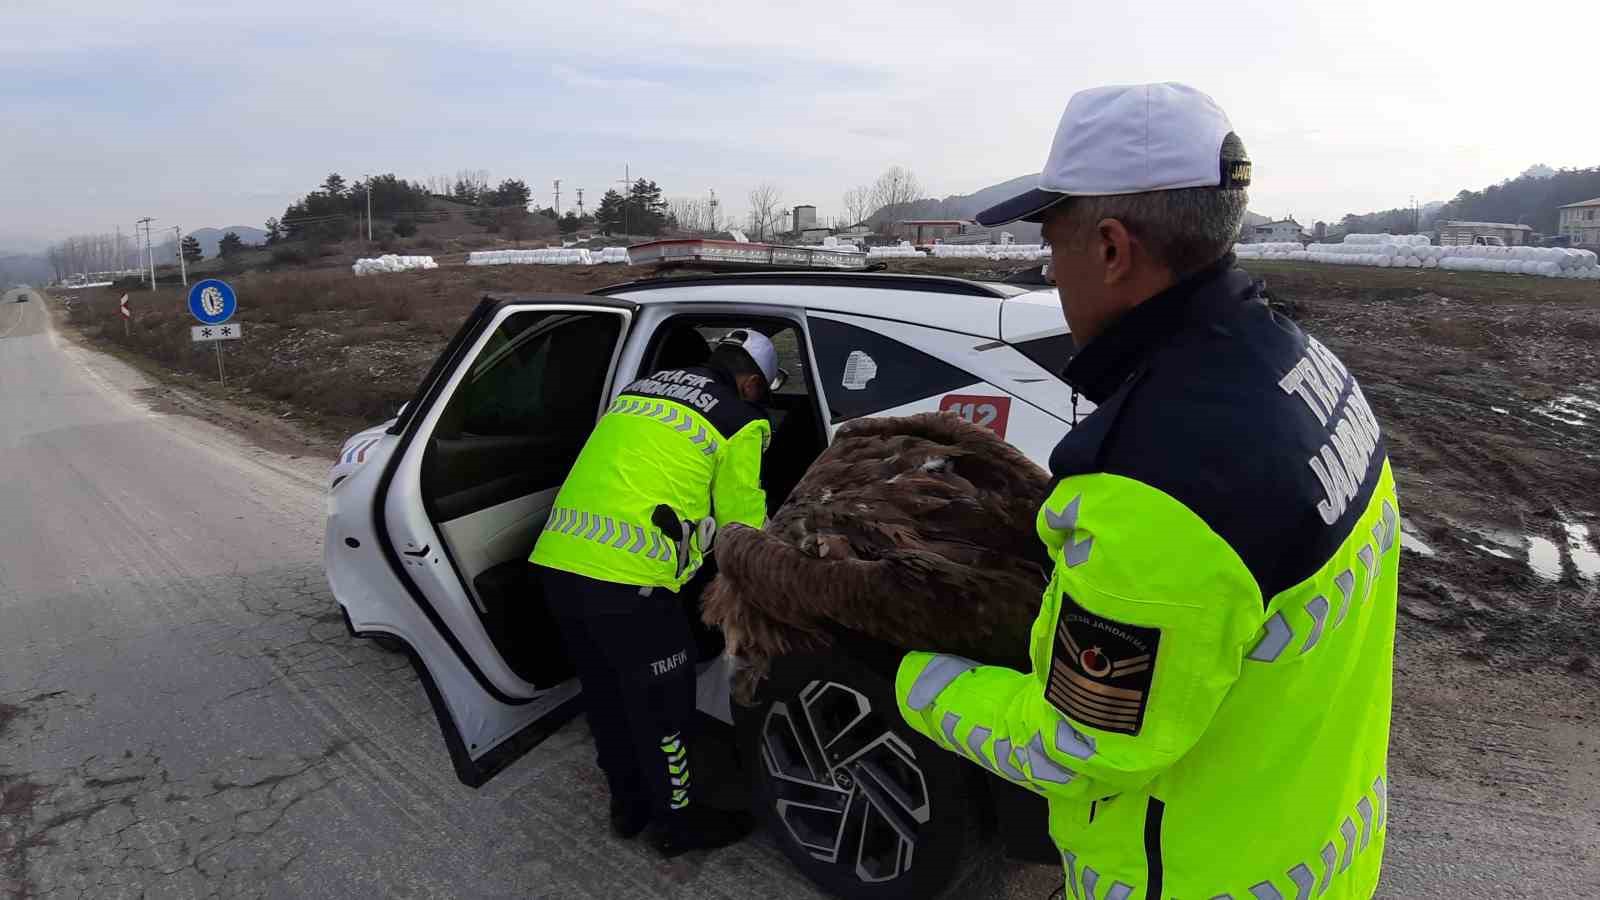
point(934, 678)
point(1317, 608)
point(1042, 767)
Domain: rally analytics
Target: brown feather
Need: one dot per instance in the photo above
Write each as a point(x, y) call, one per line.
point(916, 531)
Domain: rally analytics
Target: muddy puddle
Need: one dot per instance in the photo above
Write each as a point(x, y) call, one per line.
point(1581, 549)
point(1544, 557)
point(1410, 541)
point(1581, 408)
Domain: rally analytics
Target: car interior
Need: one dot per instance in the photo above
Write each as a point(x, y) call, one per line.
point(798, 436)
point(513, 429)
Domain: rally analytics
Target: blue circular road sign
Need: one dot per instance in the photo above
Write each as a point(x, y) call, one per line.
point(212, 301)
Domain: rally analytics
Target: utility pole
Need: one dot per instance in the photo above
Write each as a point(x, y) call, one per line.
point(627, 182)
point(714, 210)
point(557, 206)
point(580, 204)
point(369, 207)
point(149, 251)
point(183, 264)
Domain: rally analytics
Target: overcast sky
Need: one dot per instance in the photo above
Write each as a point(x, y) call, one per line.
point(216, 113)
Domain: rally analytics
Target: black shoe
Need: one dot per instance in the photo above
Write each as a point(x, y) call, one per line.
point(626, 820)
point(699, 828)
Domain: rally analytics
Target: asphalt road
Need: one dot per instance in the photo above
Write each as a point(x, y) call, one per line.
point(183, 715)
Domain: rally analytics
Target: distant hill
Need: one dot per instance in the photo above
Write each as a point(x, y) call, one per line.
point(24, 268)
point(965, 206)
point(210, 237)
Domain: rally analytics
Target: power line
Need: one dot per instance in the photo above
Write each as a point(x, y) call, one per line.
point(149, 251)
point(627, 179)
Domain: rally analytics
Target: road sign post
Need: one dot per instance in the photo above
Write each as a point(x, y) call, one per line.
point(212, 302)
point(122, 307)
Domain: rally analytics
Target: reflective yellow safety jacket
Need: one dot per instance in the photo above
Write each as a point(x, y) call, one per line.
point(1208, 711)
point(681, 437)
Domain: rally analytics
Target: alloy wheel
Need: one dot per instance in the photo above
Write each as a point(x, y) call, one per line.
point(846, 787)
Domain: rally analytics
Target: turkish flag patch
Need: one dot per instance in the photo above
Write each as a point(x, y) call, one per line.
point(1101, 670)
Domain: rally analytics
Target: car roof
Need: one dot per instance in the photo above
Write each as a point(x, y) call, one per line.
point(951, 304)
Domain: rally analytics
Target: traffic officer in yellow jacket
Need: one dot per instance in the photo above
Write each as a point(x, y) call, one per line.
point(1208, 711)
point(677, 456)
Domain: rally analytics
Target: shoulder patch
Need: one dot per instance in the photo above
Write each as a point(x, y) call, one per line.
point(1101, 670)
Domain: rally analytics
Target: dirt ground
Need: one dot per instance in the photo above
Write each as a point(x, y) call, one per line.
point(1488, 389)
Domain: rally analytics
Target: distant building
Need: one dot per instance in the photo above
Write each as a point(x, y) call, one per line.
point(858, 230)
point(1581, 222)
point(923, 232)
point(813, 235)
point(1281, 231)
point(1456, 233)
point(805, 217)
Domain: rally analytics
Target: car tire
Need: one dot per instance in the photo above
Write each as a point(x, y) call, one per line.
point(864, 806)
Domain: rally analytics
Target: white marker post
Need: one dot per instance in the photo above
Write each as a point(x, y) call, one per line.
point(122, 306)
point(216, 334)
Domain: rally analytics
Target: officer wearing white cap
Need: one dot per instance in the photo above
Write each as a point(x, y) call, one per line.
point(1208, 706)
point(676, 457)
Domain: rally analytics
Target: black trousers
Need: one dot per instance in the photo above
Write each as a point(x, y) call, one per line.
point(635, 658)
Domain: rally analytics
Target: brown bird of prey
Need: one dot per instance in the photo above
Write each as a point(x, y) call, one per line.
point(916, 531)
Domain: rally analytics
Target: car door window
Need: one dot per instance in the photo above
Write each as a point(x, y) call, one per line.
point(1051, 353)
point(517, 421)
point(863, 372)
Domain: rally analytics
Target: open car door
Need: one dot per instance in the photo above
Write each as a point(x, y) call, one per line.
point(484, 449)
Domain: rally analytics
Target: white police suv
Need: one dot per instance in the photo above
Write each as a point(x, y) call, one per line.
point(431, 517)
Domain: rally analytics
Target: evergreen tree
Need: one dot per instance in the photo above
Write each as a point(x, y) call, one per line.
point(333, 185)
point(511, 192)
point(610, 214)
point(274, 231)
point(229, 245)
point(647, 212)
point(191, 249)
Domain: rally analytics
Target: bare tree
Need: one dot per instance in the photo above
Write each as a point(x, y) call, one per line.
point(89, 253)
point(858, 204)
point(896, 187)
point(470, 184)
point(691, 214)
point(764, 210)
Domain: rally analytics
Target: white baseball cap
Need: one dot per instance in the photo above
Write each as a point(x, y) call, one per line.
point(759, 347)
point(1132, 139)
